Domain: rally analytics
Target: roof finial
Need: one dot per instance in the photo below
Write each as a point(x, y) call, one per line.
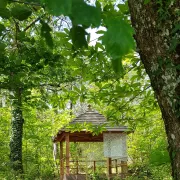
point(89, 107)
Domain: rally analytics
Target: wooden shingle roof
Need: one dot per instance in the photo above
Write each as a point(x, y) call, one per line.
point(96, 119)
point(90, 116)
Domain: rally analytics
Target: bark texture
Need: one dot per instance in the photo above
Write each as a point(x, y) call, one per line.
point(155, 33)
point(16, 134)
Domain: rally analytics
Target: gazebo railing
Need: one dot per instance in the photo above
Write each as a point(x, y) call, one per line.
point(84, 166)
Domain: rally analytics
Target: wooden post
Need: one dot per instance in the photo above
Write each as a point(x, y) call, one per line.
point(61, 162)
point(67, 154)
point(109, 172)
point(94, 166)
point(116, 166)
point(124, 168)
point(77, 167)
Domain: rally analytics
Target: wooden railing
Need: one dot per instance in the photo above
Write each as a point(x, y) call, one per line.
point(85, 166)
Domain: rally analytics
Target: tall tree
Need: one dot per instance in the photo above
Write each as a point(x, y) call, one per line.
point(156, 25)
point(26, 63)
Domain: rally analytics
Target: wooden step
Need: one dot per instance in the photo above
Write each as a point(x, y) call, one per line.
point(75, 177)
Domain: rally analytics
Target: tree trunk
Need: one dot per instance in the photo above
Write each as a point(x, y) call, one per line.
point(16, 134)
point(159, 49)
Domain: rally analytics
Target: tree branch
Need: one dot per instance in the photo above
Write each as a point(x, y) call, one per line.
point(32, 23)
point(28, 3)
point(130, 100)
point(134, 97)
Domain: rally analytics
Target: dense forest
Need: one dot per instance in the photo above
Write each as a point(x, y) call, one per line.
point(122, 57)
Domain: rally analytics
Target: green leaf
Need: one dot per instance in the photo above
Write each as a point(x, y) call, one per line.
point(146, 1)
point(22, 37)
point(99, 45)
point(123, 7)
point(3, 3)
point(2, 47)
point(2, 28)
point(117, 65)
point(88, 38)
point(77, 90)
point(46, 33)
point(118, 39)
point(81, 99)
point(100, 32)
point(85, 14)
point(78, 34)
point(173, 44)
point(21, 12)
point(176, 28)
point(66, 30)
point(58, 7)
point(159, 157)
point(4, 13)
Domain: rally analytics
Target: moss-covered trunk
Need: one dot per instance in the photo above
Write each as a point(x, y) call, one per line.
point(16, 133)
point(158, 38)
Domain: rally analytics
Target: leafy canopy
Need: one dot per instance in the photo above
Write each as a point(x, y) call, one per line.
point(117, 39)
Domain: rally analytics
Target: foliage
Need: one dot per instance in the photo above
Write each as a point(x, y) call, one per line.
point(38, 158)
point(148, 153)
point(45, 54)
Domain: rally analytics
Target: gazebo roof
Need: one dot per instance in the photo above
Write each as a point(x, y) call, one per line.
point(89, 117)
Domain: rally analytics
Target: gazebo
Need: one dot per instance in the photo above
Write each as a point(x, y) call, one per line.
point(114, 139)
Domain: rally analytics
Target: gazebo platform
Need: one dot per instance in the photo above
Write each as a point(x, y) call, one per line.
point(86, 177)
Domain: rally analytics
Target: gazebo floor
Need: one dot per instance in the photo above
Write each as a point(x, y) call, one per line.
point(85, 177)
point(75, 177)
